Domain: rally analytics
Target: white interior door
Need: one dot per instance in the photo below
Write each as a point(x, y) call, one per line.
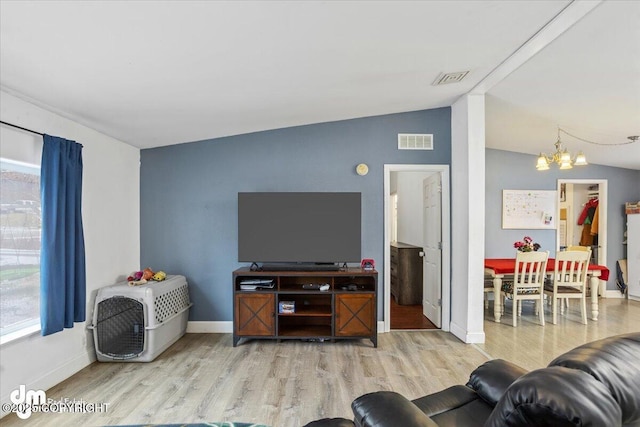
point(432, 260)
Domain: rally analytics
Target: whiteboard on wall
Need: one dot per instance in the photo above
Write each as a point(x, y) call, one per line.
point(526, 209)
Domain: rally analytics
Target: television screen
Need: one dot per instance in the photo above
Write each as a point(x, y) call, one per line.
point(299, 227)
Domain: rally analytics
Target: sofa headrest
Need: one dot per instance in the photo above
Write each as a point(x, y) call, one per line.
point(615, 362)
point(558, 397)
point(491, 379)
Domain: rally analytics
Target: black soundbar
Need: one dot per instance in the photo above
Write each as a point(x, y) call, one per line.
point(300, 267)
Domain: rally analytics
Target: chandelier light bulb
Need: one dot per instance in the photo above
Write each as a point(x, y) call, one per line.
point(581, 160)
point(565, 165)
point(543, 164)
point(561, 157)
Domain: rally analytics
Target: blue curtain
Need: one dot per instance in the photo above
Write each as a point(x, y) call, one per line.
point(62, 260)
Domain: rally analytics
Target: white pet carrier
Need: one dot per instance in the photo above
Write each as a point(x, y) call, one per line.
point(137, 323)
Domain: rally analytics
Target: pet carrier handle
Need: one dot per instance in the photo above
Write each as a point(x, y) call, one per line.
point(171, 317)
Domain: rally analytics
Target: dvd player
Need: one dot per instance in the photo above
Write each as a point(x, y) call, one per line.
point(256, 281)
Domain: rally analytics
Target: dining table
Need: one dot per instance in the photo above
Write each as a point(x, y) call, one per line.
point(499, 268)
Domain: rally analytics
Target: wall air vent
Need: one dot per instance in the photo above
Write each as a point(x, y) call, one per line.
point(445, 78)
point(415, 141)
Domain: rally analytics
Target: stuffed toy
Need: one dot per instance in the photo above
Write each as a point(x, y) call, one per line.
point(141, 277)
point(137, 282)
point(147, 274)
point(159, 276)
point(137, 275)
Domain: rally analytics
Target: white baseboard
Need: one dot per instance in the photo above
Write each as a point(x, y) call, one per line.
point(56, 376)
point(225, 327)
point(475, 338)
point(612, 293)
point(465, 336)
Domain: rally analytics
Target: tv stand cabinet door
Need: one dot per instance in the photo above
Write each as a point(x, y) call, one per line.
point(355, 315)
point(255, 315)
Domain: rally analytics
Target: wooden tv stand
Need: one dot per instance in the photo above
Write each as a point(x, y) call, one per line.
point(347, 310)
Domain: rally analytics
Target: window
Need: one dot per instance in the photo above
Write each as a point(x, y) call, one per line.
point(20, 225)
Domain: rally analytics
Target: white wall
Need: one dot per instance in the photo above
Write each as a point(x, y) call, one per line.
point(111, 215)
point(467, 218)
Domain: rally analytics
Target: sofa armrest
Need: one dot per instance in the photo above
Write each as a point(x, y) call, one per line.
point(387, 408)
point(492, 379)
point(331, 422)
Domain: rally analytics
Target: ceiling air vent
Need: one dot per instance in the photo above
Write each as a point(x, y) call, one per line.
point(445, 78)
point(415, 141)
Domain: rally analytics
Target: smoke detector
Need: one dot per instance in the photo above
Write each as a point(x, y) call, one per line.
point(446, 78)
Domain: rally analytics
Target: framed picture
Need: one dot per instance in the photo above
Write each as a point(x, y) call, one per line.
point(563, 192)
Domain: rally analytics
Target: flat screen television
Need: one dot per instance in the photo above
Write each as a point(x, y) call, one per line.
point(303, 228)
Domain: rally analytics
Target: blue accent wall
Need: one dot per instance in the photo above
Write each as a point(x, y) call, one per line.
point(515, 171)
point(189, 192)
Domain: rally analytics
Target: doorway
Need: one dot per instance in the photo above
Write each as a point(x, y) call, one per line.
point(576, 200)
point(418, 228)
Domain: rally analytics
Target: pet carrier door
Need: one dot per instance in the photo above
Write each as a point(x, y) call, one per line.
point(120, 327)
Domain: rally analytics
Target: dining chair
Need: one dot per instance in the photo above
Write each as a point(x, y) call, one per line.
point(579, 248)
point(565, 302)
point(488, 288)
point(528, 282)
point(569, 281)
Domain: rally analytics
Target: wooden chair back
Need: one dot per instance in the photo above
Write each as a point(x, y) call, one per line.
point(571, 269)
point(579, 248)
point(530, 271)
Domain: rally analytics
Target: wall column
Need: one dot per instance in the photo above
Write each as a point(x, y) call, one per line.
point(467, 231)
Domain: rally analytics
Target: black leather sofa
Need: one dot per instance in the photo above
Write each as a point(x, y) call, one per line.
point(596, 384)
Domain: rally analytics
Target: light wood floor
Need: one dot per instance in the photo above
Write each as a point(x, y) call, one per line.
point(203, 378)
point(533, 346)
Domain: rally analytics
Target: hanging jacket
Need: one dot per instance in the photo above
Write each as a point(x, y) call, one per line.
point(588, 211)
point(586, 238)
point(595, 221)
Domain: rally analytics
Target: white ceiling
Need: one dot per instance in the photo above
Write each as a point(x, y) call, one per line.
point(154, 73)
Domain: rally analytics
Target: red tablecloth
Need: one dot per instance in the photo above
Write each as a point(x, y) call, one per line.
point(508, 266)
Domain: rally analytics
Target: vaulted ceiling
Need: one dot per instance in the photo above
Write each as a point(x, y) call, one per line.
point(154, 73)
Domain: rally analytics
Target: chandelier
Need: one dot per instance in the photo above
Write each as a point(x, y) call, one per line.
point(561, 157)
